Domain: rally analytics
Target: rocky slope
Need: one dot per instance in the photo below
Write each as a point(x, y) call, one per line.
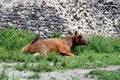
point(90, 17)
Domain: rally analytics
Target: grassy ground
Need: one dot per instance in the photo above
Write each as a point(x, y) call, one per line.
point(104, 75)
point(100, 52)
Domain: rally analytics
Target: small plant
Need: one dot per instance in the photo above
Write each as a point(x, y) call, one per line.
point(53, 78)
point(3, 75)
point(73, 78)
point(34, 76)
point(16, 77)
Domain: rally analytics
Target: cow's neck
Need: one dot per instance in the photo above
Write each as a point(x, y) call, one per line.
point(70, 42)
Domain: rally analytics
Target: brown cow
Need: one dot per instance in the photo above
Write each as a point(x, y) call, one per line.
point(60, 45)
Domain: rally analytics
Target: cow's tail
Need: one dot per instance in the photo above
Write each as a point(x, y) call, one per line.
point(35, 39)
point(27, 47)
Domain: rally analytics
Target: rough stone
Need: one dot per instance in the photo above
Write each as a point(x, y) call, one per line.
point(88, 16)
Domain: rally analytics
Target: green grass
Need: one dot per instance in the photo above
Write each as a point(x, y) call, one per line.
point(55, 34)
point(104, 75)
point(12, 39)
point(100, 52)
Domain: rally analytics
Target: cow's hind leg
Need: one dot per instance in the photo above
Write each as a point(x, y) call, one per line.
point(65, 50)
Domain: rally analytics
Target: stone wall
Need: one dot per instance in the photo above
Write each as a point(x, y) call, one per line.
point(90, 17)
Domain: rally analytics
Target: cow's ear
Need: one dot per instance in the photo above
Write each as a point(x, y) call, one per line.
point(76, 32)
